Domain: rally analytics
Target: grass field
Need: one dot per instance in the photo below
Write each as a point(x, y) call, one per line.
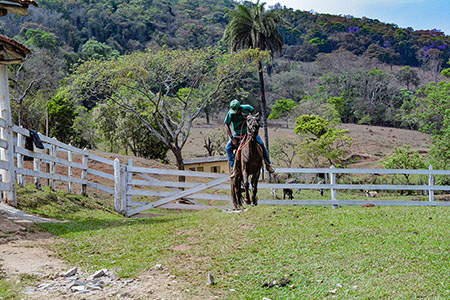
point(346, 253)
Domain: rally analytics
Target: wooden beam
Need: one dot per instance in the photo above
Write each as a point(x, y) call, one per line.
point(11, 61)
point(13, 8)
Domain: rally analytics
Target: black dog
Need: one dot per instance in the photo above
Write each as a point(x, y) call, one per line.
point(289, 193)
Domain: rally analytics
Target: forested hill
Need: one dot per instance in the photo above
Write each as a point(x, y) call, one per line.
point(80, 28)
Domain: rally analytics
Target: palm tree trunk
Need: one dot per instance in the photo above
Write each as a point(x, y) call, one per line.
point(263, 105)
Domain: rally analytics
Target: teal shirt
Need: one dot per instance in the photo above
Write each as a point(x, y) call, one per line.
point(236, 120)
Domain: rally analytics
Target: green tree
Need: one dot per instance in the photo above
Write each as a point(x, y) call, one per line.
point(62, 113)
point(322, 145)
point(121, 129)
point(93, 49)
point(161, 88)
point(41, 39)
point(255, 28)
point(405, 158)
point(432, 112)
point(408, 76)
point(281, 109)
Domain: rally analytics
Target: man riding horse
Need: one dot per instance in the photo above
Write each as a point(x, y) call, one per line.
point(237, 116)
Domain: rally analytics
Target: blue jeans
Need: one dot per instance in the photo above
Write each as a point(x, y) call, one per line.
point(231, 157)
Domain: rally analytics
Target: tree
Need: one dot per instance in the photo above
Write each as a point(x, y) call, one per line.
point(41, 39)
point(408, 77)
point(96, 50)
point(121, 129)
point(284, 150)
point(405, 158)
point(255, 29)
point(161, 88)
point(431, 58)
point(322, 144)
point(37, 77)
point(215, 142)
point(281, 109)
point(288, 85)
point(433, 115)
point(62, 113)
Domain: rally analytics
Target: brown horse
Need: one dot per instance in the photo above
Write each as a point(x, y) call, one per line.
point(249, 160)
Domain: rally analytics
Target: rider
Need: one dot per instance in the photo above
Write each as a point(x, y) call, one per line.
point(236, 116)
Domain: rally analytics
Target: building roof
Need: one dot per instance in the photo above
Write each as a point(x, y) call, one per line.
point(205, 160)
point(18, 7)
point(11, 51)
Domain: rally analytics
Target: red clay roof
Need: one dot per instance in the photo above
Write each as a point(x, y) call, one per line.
point(11, 44)
point(24, 3)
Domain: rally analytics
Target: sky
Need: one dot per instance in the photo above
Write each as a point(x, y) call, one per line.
point(418, 14)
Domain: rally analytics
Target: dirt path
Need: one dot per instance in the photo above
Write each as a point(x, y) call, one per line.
point(24, 254)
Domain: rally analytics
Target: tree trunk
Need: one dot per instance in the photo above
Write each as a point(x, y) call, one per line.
point(207, 114)
point(263, 110)
point(263, 105)
point(180, 163)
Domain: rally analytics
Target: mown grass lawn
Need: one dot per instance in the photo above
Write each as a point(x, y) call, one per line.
point(373, 253)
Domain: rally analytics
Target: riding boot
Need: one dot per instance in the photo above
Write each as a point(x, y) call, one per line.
point(269, 168)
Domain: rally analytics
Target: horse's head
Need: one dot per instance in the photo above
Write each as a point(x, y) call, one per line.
point(253, 124)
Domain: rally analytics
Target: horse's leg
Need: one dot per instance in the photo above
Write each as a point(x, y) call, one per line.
point(234, 194)
point(255, 179)
point(246, 186)
point(239, 189)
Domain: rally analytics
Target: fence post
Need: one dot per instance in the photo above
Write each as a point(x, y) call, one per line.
point(53, 167)
point(129, 179)
point(84, 173)
point(37, 168)
point(333, 191)
point(20, 144)
point(430, 184)
point(6, 133)
point(69, 170)
point(117, 185)
point(124, 185)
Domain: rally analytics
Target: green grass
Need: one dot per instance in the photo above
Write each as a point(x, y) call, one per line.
point(8, 291)
point(387, 252)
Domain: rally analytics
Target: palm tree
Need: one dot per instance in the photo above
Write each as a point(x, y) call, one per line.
point(256, 29)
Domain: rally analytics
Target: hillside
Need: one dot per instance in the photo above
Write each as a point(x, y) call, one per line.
point(78, 29)
point(370, 143)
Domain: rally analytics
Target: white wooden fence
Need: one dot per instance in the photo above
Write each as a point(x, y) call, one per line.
point(56, 154)
point(138, 189)
point(166, 191)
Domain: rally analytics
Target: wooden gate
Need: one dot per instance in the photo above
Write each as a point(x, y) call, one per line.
point(138, 184)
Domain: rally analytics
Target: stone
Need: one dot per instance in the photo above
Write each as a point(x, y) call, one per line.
point(210, 279)
point(70, 272)
point(334, 291)
point(319, 280)
point(45, 286)
point(75, 283)
point(98, 274)
point(339, 285)
point(78, 288)
point(159, 267)
point(265, 298)
point(71, 278)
